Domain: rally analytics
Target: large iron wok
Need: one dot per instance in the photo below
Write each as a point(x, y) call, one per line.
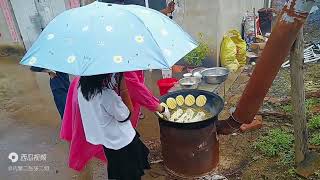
point(214, 105)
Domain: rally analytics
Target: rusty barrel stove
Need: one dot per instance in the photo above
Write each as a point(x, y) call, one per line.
point(191, 149)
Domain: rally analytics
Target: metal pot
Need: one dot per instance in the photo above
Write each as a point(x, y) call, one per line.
point(187, 75)
point(189, 82)
point(216, 75)
point(198, 69)
point(191, 149)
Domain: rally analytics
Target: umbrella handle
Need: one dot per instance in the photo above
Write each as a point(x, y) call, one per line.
point(146, 2)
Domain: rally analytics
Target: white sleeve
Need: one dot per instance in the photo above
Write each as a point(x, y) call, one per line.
point(117, 108)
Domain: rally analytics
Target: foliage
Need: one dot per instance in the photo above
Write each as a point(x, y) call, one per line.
point(198, 55)
point(314, 123)
point(315, 139)
point(292, 172)
point(309, 104)
point(287, 157)
point(276, 142)
point(287, 108)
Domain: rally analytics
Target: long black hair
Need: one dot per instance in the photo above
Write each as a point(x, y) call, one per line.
point(93, 85)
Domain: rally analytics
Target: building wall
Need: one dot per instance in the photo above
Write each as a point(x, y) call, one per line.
point(4, 29)
point(213, 18)
point(9, 33)
point(29, 19)
point(21, 19)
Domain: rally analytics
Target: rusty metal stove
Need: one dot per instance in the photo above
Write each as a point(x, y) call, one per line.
point(191, 149)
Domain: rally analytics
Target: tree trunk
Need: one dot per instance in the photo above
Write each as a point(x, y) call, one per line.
point(298, 99)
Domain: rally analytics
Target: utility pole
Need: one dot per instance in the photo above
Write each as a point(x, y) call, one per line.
point(298, 99)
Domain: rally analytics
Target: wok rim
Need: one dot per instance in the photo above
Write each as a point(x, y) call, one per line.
point(204, 123)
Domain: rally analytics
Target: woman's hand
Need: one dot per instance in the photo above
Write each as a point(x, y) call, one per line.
point(169, 9)
point(164, 111)
point(51, 73)
point(171, 6)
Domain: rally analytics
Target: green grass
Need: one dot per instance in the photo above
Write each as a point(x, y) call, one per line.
point(309, 104)
point(314, 123)
point(314, 127)
point(276, 142)
point(315, 139)
point(287, 157)
point(287, 108)
point(312, 102)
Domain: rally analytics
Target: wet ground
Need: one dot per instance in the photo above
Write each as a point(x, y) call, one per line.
point(29, 124)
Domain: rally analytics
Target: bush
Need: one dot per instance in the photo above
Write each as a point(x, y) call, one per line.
point(198, 55)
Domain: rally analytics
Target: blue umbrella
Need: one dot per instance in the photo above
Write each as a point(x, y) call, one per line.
point(106, 38)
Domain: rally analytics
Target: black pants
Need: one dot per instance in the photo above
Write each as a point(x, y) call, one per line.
point(129, 162)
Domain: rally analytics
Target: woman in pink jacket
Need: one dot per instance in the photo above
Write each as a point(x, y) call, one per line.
point(140, 95)
point(81, 151)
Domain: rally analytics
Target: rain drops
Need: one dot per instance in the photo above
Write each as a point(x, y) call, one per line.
point(32, 61)
point(71, 59)
point(117, 59)
point(139, 39)
point(109, 28)
point(85, 28)
point(50, 36)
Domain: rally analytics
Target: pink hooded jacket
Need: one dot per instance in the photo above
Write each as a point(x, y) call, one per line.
point(140, 95)
point(72, 129)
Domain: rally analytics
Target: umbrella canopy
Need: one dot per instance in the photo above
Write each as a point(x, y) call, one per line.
point(106, 38)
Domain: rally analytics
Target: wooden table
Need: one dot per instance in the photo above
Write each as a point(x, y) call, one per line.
point(219, 89)
point(202, 86)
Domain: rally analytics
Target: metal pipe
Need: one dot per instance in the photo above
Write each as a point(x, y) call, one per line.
point(290, 21)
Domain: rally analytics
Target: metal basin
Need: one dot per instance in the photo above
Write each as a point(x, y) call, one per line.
point(216, 75)
point(198, 69)
point(189, 82)
point(191, 150)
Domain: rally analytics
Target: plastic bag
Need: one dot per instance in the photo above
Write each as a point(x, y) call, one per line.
point(228, 54)
point(233, 50)
point(241, 47)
